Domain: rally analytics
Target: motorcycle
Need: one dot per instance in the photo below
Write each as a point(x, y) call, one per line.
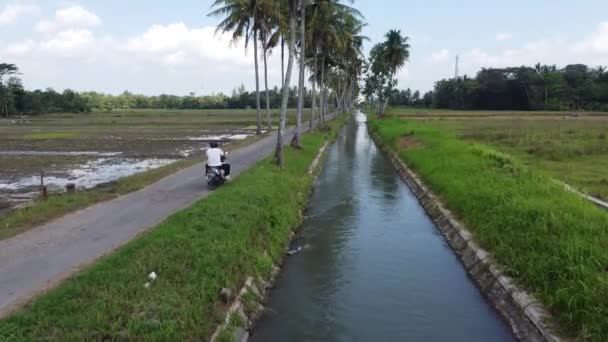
point(215, 175)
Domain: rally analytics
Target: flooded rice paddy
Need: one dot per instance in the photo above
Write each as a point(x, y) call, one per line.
point(92, 149)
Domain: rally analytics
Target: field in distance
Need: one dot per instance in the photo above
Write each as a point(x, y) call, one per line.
point(570, 146)
point(95, 148)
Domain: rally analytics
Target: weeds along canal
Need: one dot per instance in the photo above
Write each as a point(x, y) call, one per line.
point(373, 266)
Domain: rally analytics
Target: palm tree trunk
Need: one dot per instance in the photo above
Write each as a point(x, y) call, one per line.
point(295, 142)
point(257, 83)
point(267, 94)
point(314, 92)
point(383, 105)
point(282, 61)
point(323, 95)
point(278, 156)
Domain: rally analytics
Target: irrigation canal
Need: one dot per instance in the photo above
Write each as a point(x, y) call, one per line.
point(373, 266)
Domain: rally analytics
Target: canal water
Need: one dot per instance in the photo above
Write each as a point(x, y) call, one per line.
point(373, 266)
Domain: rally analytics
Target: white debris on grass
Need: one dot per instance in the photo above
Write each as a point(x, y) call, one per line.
point(152, 276)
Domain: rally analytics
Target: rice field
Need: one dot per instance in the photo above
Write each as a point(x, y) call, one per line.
point(571, 147)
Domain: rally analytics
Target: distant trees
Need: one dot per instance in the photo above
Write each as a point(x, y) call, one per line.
point(410, 98)
point(15, 100)
point(542, 87)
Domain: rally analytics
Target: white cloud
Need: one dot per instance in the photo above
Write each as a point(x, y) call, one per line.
point(20, 49)
point(591, 50)
point(177, 44)
point(440, 56)
point(504, 36)
point(69, 43)
point(69, 18)
point(11, 12)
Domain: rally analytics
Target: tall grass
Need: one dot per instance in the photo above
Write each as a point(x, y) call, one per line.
point(550, 240)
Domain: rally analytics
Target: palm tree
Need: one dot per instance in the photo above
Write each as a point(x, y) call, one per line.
point(295, 142)
point(292, 51)
point(270, 21)
point(395, 52)
point(327, 35)
point(240, 19)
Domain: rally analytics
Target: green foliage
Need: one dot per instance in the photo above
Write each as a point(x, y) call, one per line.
point(575, 87)
point(550, 240)
point(50, 135)
point(14, 99)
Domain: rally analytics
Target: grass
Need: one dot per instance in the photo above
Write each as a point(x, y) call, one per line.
point(432, 112)
point(238, 231)
point(59, 204)
point(574, 151)
point(551, 241)
point(50, 135)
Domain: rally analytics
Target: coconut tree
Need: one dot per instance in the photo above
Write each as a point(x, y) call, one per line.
point(239, 18)
point(326, 34)
point(395, 52)
point(270, 21)
point(295, 141)
point(292, 51)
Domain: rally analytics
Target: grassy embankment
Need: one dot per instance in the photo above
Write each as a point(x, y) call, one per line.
point(238, 231)
point(551, 241)
point(571, 149)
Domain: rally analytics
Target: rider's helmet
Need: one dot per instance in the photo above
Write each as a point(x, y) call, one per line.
point(214, 144)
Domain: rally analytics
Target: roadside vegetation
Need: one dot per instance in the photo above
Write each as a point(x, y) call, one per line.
point(551, 241)
point(240, 230)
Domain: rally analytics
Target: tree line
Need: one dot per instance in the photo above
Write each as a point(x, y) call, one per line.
point(15, 100)
point(323, 36)
point(542, 87)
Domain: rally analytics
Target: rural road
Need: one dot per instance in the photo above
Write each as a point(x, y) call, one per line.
point(36, 260)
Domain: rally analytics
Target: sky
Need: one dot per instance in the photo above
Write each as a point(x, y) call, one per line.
point(154, 47)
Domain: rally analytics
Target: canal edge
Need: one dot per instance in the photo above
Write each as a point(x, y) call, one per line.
point(528, 318)
point(247, 307)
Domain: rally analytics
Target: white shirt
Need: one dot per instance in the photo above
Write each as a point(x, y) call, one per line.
point(214, 156)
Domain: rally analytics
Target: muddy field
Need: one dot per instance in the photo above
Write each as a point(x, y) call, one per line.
point(89, 149)
point(572, 147)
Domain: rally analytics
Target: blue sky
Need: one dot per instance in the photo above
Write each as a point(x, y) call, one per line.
point(155, 47)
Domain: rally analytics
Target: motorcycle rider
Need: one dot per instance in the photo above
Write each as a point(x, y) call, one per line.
point(215, 158)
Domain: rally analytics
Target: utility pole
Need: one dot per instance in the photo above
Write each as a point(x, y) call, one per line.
point(456, 68)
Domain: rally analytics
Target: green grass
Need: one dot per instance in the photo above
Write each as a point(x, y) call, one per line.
point(575, 151)
point(432, 112)
point(551, 241)
point(50, 135)
point(238, 231)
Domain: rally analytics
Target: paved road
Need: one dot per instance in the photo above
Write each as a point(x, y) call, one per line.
point(40, 258)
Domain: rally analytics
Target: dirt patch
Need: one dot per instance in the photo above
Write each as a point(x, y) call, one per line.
point(408, 142)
